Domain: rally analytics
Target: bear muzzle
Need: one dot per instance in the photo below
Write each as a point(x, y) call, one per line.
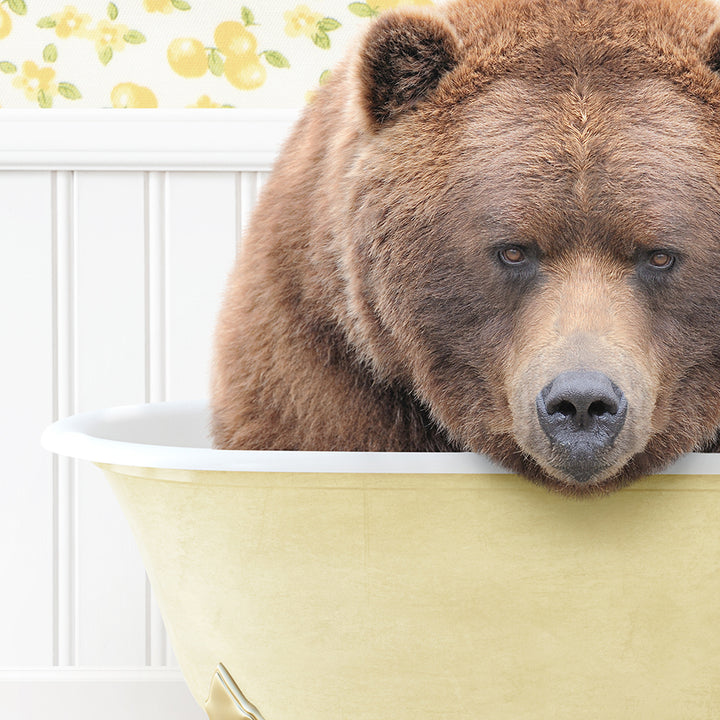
point(581, 412)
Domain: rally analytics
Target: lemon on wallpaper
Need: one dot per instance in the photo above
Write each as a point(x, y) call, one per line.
point(242, 67)
point(245, 72)
point(235, 55)
point(165, 6)
point(187, 57)
point(130, 95)
point(232, 39)
point(5, 24)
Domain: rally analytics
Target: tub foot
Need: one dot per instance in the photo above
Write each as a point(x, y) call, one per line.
point(226, 702)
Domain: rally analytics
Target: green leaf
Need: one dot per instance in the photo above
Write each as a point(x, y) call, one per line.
point(44, 100)
point(134, 37)
point(105, 55)
point(321, 39)
point(180, 5)
point(112, 11)
point(325, 77)
point(247, 16)
point(50, 53)
point(7, 67)
point(69, 91)
point(46, 22)
point(276, 59)
point(216, 64)
point(19, 8)
point(328, 24)
point(362, 10)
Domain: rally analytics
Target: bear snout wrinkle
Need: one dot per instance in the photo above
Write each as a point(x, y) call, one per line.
point(582, 412)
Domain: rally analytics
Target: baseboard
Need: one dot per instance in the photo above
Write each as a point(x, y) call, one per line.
point(90, 694)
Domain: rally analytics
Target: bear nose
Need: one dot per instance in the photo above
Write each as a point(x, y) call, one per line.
point(581, 412)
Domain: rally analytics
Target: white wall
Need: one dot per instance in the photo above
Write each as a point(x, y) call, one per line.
point(117, 231)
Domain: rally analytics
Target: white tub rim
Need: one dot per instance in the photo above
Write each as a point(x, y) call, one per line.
point(110, 436)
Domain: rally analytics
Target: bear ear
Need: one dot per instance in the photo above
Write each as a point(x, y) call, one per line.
point(402, 59)
point(712, 47)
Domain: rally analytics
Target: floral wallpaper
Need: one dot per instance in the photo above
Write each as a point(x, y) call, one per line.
point(174, 53)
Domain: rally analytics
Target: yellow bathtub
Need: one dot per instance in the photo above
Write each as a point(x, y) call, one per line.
point(400, 586)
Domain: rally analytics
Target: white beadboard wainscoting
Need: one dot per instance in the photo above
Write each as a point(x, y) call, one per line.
point(117, 232)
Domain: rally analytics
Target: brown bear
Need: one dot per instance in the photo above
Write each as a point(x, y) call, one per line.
point(497, 229)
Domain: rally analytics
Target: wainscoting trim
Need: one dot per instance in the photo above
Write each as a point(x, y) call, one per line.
point(111, 139)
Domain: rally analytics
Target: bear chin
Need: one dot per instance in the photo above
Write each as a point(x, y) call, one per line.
point(602, 483)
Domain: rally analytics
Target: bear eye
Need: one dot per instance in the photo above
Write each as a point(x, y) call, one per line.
point(661, 260)
point(512, 255)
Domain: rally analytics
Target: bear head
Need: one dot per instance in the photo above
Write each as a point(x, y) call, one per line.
point(531, 229)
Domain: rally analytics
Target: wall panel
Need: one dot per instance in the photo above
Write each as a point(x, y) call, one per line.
point(200, 250)
point(26, 360)
point(114, 252)
point(110, 362)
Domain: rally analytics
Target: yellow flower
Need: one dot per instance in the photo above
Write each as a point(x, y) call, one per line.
point(109, 34)
point(71, 22)
point(130, 95)
point(204, 101)
point(33, 80)
point(163, 6)
point(301, 21)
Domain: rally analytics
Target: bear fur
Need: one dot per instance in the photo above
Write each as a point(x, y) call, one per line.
point(486, 196)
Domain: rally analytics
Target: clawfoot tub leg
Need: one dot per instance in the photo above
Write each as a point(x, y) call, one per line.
point(226, 701)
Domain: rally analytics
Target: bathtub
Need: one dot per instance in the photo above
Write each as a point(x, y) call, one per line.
point(399, 586)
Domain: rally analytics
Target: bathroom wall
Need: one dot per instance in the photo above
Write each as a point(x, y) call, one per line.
point(117, 230)
point(113, 255)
